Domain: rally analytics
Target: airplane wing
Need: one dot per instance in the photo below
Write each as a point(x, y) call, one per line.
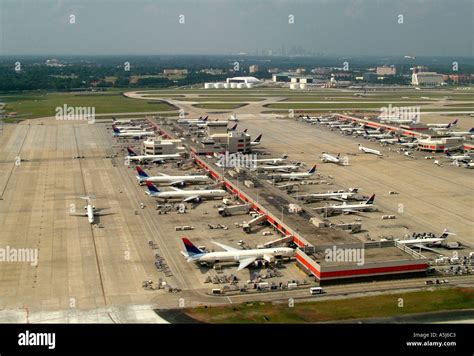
point(177, 182)
point(225, 247)
point(283, 170)
point(245, 262)
point(176, 189)
point(193, 197)
point(78, 214)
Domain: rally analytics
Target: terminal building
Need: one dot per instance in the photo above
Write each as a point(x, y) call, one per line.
point(158, 146)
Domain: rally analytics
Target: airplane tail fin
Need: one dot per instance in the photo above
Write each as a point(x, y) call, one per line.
point(142, 173)
point(115, 128)
point(312, 170)
point(245, 131)
point(131, 152)
point(259, 137)
point(471, 130)
point(447, 153)
point(454, 122)
point(151, 187)
point(205, 119)
point(285, 156)
point(371, 200)
point(233, 128)
point(353, 190)
point(190, 248)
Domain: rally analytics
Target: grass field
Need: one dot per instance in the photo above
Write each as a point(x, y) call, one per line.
point(355, 105)
point(342, 309)
point(44, 104)
point(219, 106)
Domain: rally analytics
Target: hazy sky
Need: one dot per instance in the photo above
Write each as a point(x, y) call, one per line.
point(332, 27)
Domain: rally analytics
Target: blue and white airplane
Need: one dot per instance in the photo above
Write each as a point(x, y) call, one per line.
point(184, 195)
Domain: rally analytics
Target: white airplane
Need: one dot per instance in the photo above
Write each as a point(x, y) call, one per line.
point(294, 175)
point(351, 208)
point(312, 120)
point(172, 180)
point(334, 195)
point(231, 254)
point(129, 128)
point(133, 134)
point(90, 210)
point(407, 144)
point(461, 133)
point(457, 157)
point(283, 168)
point(443, 126)
point(121, 121)
point(271, 160)
point(377, 135)
point(369, 150)
point(257, 141)
point(469, 165)
point(132, 156)
point(327, 158)
point(425, 243)
point(184, 195)
point(192, 121)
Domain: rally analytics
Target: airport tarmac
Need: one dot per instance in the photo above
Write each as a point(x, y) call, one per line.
point(432, 198)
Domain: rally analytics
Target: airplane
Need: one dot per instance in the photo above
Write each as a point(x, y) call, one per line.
point(377, 135)
point(271, 160)
point(312, 120)
point(425, 243)
point(121, 121)
point(327, 158)
point(461, 133)
point(468, 165)
point(369, 150)
point(185, 195)
point(133, 134)
point(193, 121)
point(90, 210)
point(407, 144)
point(243, 257)
point(351, 208)
point(333, 195)
point(129, 128)
point(293, 175)
point(172, 180)
point(284, 168)
point(443, 126)
point(457, 157)
point(132, 156)
point(257, 141)
point(389, 140)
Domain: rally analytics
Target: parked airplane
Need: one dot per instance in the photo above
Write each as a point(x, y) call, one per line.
point(121, 121)
point(271, 160)
point(184, 195)
point(333, 195)
point(443, 126)
point(283, 168)
point(377, 135)
point(407, 144)
point(350, 208)
point(294, 175)
point(457, 157)
point(327, 158)
point(129, 128)
point(243, 257)
point(425, 243)
point(192, 121)
point(90, 210)
point(257, 140)
point(461, 133)
point(133, 134)
point(172, 180)
point(132, 156)
point(369, 150)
